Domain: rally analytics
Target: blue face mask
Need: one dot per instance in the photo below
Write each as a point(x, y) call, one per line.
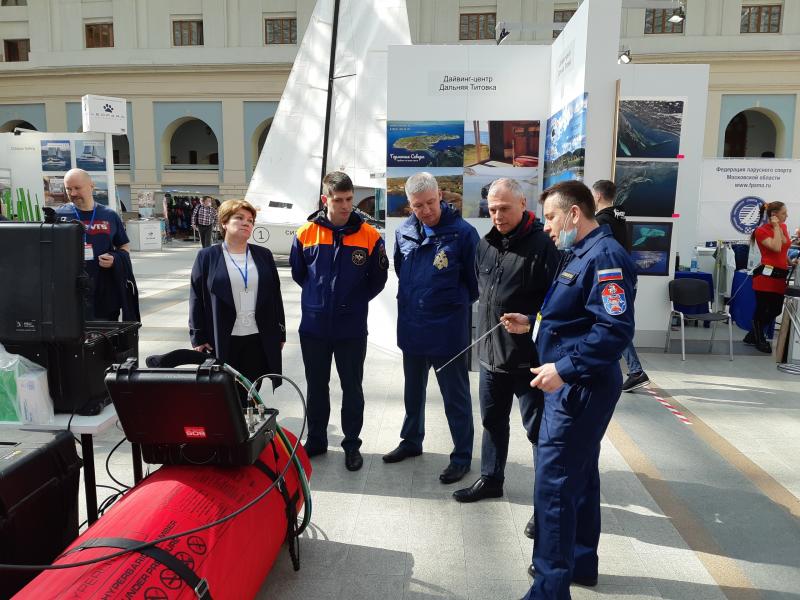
point(566, 239)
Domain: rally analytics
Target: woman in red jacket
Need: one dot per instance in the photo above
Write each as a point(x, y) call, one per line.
point(769, 278)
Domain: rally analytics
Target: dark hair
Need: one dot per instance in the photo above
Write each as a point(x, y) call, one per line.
point(336, 181)
point(569, 193)
point(769, 208)
point(768, 154)
point(607, 189)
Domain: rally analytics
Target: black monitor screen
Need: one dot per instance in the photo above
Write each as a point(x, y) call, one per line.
point(41, 266)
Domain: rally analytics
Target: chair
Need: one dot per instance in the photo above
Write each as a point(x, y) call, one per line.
point(692, 292)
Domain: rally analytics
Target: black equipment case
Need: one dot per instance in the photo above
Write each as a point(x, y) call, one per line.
point(39, 477)
point(75, 370)
point(43, 263)
point(187, 416)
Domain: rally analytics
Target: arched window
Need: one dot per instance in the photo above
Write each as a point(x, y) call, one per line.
point(259, 139)
point(753, 133)
point(11, 125)
point(190, 143)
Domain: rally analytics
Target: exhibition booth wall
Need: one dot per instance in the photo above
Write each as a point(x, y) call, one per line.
point(36, 162)
point(468, 114)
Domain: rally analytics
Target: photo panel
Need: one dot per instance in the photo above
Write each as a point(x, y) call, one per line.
point(646, 188)
point(477, 182)
point(651, 262)
point(425, 144)
point(650, 235)
point(90, 155)
point(499, 144)
point(100, 191)
point(56, 155)
point(54, 193)
point(451, 184)
point(649, 128)
point(565, 145)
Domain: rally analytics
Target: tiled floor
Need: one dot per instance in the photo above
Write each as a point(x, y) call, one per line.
point(393, 531)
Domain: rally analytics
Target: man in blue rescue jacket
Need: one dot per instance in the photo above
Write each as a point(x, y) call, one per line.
point(585, 323)
point(434, 257)
point(340, 262)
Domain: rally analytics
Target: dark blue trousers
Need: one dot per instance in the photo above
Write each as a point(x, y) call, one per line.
point(566, 495)
point(497, 391)
point(454, 386)
point(349, 355)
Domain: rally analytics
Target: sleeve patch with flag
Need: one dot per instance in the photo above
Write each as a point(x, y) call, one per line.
point(609, 275)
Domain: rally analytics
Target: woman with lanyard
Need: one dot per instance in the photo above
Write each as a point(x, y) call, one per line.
point(235, 305)
point(769, 278)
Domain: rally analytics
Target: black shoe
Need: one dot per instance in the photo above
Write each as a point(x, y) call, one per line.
point(453, 472)
point(353, 460)
point(482, 488)
point(400, 453)
point(583, 581)
point(635, 381)
point(761, 343)
point(750, 338)
point(312, 450)
point(530, 527)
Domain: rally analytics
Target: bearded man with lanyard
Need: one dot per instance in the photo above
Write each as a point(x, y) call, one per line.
point(104, 239)
point(585, 322)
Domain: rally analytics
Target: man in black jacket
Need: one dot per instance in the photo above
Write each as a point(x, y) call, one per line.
point(516, 263)
point(604, 192)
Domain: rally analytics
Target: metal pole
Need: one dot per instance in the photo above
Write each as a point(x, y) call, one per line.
point(331, 68)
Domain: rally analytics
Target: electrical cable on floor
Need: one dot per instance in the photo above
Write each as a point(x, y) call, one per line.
point(291, 461)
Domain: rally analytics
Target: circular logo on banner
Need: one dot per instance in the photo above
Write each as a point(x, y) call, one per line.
point(744, 214)
point(261, 234)
point(359, 257)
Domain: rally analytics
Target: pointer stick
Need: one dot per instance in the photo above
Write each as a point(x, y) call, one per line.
point(468, 347)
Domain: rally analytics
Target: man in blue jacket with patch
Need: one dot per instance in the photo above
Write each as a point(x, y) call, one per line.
point(340, 262)
point(434, 257)
point(585, 323)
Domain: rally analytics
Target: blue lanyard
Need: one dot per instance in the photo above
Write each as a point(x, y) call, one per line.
point(242, 273)
point(91, 223)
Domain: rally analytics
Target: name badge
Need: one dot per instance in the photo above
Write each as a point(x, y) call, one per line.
point(88, 253)
point(767, 270)
point(536, 326)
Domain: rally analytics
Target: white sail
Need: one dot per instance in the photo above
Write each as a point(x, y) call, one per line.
point(285, 184)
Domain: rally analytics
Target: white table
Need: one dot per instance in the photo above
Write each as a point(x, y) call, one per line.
point(87, 427)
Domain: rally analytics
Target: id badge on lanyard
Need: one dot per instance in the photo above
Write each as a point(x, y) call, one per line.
point(88, 252)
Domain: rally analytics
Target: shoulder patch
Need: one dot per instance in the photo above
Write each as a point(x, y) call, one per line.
point(614, 274)
point(383, 260)
point(614, 301)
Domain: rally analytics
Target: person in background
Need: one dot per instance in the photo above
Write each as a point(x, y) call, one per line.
point(105, 249)
point(585, 323)
point(203, 219)
point(769, 278)
point(434, 257)
point(516, 263)
point(235, 304)
point(604, 192)
point(340, 262)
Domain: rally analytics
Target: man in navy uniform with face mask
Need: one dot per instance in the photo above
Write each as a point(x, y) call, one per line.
point(585, 323)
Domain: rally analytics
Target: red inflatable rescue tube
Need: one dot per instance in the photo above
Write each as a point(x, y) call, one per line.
point(234, 557)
